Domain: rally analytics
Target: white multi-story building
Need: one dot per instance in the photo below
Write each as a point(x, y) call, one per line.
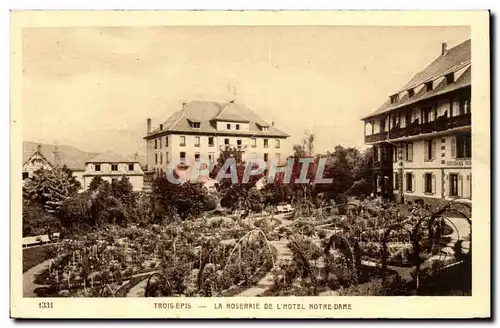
point(111, 166)
point(202, 128)
point(421, 135)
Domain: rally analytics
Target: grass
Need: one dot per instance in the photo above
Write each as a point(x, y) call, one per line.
point(35, 255)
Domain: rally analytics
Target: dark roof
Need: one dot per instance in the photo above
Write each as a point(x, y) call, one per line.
point(111, 157)
point(72, 157)
point(207, 112)
point(455, 59)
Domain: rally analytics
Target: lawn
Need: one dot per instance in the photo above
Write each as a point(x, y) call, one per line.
point(36, 255)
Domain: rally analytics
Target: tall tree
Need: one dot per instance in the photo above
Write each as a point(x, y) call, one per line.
point(51, 187)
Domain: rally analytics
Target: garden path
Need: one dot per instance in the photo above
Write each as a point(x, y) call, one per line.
point(283, 253)
point(29, 277)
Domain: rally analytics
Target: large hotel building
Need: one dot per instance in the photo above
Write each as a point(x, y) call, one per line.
point(202, 128)
point(421, 136)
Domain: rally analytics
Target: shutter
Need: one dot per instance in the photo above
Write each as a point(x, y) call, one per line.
point(433, 183)
point(413, 182)
point(460, 186)
point(433, 149)
point(453, 147)
point(423, 183)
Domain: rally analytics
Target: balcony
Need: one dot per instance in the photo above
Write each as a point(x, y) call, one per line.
point(442, 123)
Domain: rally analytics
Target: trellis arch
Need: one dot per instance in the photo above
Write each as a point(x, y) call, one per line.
point(167, 287)
point(451, 207)
point(385, 249)
point(248, 235)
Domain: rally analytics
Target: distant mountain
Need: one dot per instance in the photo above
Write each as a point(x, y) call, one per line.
point(70, 156)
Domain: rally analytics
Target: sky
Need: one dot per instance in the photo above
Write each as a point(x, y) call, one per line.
point(94, 88)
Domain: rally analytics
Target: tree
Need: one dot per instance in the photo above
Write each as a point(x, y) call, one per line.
point(234, 195)
point(50, 188)
point(95, 183)
point(76, 213)
point(36, 221)
point(187, 199)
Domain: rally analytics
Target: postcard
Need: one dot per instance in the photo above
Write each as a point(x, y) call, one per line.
point(250, 164)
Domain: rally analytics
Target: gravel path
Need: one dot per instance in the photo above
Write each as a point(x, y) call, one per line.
point(29, 277)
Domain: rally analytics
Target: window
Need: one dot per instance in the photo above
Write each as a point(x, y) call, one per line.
point(450, 78)
point(166, 157)
point(156, 158)
point(463, 146)
point(264, 128)
point(409, 181)
point(428, 115)
point(211, 157)
point(183, 156)
point(161, 158)
point(254, 142)
point(237, 126)
point(197, 141)
point(277, 158)
point(278, 144)
point(197, 156)
point(161, 127)
point(266, 157)
point(228, 126)
point(266, 143)
point(182, 141)
point(464, 106)
point(428, 183)
point(131, 167)
point(156, 143)
point(97, 167)
point(396, 180)
point(429, 150)
point(226, 141)
point(159, 143)
point(238, 142)
point(26, 175)
point(382, 125)
point(195, 125)
point(409, 152)
point(411, 93)
point(114, 167)
point(428, 86)
point(166, 141)
point(394, 99)
point(453, 184)
point(210, 141)
point(394, 153)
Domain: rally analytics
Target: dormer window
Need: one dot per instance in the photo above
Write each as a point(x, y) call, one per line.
point(428, 86)
point(194, 125)
point(228, 126)
point(394, 98)
point(450, 78)
point(161, 127)
point(411, 93)
point(264, 128)
point(97, 167)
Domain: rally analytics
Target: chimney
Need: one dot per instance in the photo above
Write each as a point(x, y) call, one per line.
point(148, 124)
point(184, 106)
point(444, 49)
point(232, 101)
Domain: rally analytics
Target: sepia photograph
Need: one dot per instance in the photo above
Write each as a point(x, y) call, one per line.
point(235, 163)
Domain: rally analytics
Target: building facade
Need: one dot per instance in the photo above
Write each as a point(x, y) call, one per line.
point(110, 166)
point(201, 129)
point(36, 160)
point(421, 136)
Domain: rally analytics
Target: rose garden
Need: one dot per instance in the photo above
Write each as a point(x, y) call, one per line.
point(185, 241)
